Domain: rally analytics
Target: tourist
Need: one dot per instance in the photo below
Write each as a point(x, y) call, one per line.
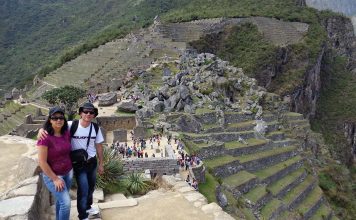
point(195, 184)
point(88, 136)
point(54, 160)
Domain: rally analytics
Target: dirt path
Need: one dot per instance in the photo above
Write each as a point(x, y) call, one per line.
point(158, 205)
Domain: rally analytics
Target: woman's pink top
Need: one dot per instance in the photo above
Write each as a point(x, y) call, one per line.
point(58, 156)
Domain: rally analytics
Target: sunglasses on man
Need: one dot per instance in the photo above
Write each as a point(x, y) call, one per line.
point(88, 112)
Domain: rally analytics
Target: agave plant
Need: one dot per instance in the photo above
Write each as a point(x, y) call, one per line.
point(135, 183)
point(113, 169)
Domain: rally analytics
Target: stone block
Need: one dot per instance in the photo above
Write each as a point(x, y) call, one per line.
point(18, 206)
point(118, 204)
point(113, 197)
point(140, 132)
point(120, 135)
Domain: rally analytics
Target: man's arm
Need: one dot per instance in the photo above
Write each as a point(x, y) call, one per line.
point(99, 152)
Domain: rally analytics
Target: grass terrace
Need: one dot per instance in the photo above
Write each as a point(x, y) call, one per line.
point(310, 200)
point(298, 190)
point(238, 178)
point(262, 174)
point(262, 154)
point(282, 183)
point(270, 207)
point(257, 193)
point(322, 212)
point(219, 161)
point(250, 142)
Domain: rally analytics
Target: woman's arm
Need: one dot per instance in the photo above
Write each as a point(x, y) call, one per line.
point(42, 160)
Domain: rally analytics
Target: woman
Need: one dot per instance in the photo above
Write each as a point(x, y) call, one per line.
point(54, 160)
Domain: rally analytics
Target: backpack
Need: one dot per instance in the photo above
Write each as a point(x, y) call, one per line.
point(75, 124)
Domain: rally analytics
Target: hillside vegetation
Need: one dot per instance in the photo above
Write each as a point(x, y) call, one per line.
point(39, 34)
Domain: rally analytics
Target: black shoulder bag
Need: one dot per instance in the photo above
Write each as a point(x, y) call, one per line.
point(80, 157)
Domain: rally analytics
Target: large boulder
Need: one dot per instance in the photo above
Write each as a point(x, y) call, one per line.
point(127, 106)
point(108, 99)
point(188, 123)
point(156, 105)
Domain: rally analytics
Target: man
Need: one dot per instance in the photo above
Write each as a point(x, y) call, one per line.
point(85, 175)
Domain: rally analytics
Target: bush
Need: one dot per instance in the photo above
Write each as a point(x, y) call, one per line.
point(136, 184)
point(113, 169)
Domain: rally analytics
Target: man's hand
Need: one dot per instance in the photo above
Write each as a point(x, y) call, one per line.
point(42, 134)
point(101, 169)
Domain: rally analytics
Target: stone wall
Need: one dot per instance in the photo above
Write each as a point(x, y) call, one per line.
point(112, 123)
point(198, 172)
point(159, 166)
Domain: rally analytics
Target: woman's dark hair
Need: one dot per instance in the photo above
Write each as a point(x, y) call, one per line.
point(48, 126)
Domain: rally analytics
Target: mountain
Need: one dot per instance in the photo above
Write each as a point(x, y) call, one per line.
point(347, 7)
point(38, 33)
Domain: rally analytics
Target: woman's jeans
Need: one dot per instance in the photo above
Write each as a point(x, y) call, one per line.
point(62, 197)
point(86, 178)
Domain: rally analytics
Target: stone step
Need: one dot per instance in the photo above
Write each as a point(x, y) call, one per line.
point(293, 116)
point(285, 142)
point(248, 146)
point(228, 165)
point(298, 123)
point(236, 117)
point(262, 159)
point(269, 117)
point(285, 184)
point(223, 136)
point(297, 194)
point(206, 150)
point(311, 203)
point(258, 196)
point(276, 135)
point(242, 181)
point(240, 126)
point(273, 126)
point(323, 212)
point(278, 171)
point(272, 209)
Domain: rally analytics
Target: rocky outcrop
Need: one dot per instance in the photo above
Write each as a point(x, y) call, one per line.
point(108, 99)
point(341, 37)
point(304, 98)
point(350, 134)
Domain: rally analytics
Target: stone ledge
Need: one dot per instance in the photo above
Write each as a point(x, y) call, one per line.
point(118, 204)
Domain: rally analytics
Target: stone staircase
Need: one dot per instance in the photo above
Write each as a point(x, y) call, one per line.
point(268, 173)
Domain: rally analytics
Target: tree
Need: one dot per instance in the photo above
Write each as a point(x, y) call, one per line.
point(67, 96)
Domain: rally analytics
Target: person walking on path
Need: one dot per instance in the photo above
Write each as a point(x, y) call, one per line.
point(54, 160)
point(88, 136)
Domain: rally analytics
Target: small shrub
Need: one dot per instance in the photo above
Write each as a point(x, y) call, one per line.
point(135, 183)
point(113, 169)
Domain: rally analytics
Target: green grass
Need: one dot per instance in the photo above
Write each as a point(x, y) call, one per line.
point(250, 142)
point(238, 178)
point(285, 181)
point(241, 124)
point(270, 207)
point(262, 174)
point(322, 212)
point(208, 188)
point(262, 154)
point(201, 111)
point(288, 198)
point(218, 161)
point(310, 200)
point(256, 193)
